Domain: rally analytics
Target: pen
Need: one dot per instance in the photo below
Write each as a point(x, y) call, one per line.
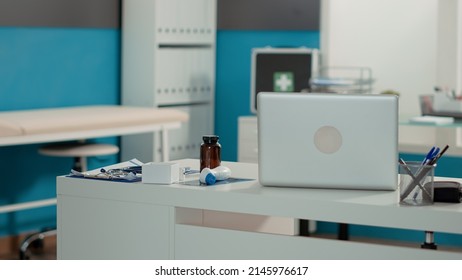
point(437, 157)
point(428, 158)
point(429, 155)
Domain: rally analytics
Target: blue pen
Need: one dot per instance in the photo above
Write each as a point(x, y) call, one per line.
point(433, 156)
point(430, 155)
point(429, 158)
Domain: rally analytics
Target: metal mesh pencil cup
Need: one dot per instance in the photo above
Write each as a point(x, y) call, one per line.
point(416, 183)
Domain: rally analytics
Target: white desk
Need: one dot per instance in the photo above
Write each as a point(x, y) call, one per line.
point(78, 123)
point(145, 221)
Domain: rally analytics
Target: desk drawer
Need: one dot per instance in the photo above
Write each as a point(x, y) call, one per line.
point(193, 242)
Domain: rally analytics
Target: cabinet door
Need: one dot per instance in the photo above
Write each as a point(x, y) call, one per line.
point(248, 140)
point(185, 142)
point(91, 229)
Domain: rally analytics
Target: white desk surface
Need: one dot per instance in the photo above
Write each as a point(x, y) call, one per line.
point(374, 208)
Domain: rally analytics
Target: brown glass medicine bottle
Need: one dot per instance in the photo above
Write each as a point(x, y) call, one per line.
point(210, 155)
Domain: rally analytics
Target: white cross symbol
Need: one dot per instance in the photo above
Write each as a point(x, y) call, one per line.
point(283, 82)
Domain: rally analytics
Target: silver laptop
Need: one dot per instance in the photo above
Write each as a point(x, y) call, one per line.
point(328, 140)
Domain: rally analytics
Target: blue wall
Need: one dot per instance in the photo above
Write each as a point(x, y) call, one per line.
point(42, 67)
point(50, 67)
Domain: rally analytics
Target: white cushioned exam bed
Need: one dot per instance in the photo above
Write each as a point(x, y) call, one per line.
point(84, 122)
point(59, 124)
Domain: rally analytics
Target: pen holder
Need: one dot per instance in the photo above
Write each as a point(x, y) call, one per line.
point(416, 183)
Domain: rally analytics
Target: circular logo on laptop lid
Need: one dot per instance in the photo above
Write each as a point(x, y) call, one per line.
point(328, 139)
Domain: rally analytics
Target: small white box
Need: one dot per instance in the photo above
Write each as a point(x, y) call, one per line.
point(160, 173)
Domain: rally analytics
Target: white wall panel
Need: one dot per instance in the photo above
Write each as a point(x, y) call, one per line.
point(397, 39)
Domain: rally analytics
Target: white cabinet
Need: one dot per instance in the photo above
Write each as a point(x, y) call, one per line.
point(112, 229)
point(168, 60)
